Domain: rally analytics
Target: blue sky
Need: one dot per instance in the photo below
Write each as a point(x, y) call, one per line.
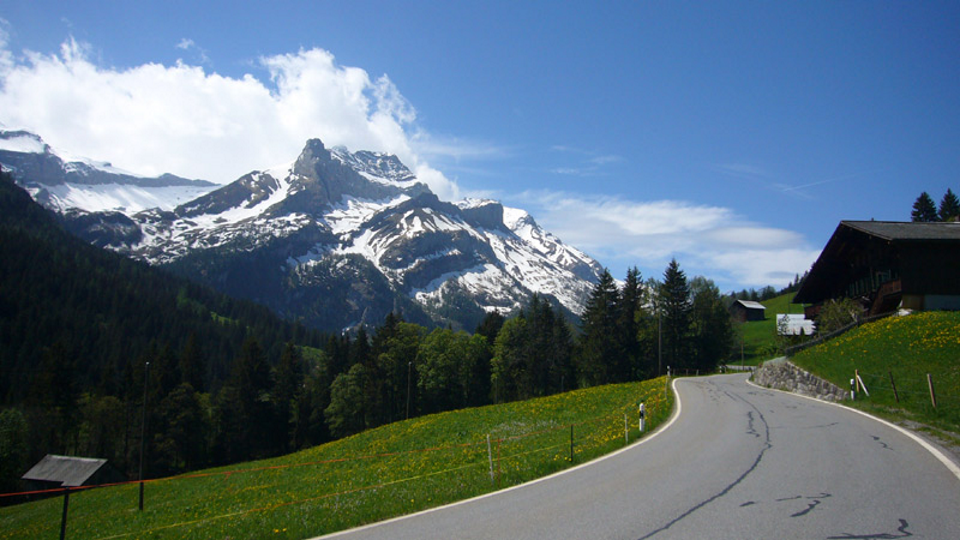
point(733, 136)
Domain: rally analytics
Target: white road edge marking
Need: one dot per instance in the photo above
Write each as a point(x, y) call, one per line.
point(658, 431)
point(937, 453)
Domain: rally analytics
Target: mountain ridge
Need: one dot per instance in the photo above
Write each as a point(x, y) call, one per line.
point(338, 238)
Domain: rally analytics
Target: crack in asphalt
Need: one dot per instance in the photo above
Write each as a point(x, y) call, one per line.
point(810, 507)
point(902, 529)
point(883, 444)
point(751, 431)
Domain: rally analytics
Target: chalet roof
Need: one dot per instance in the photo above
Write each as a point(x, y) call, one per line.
point(932, 248)
point(66, 470)
point(749, 304)
point(907, 231)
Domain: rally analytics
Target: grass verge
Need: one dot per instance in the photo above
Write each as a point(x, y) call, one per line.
point(385, 472)
point(898, 352)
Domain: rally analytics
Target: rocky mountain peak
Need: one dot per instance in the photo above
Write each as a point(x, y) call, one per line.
point(337, 238)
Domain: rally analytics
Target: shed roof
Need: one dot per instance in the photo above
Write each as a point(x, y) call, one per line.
point(749, 304)
point(67, 470)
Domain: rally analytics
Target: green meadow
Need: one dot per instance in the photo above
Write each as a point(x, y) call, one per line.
point(381, 473)
point(760, 337)
point(898, 353)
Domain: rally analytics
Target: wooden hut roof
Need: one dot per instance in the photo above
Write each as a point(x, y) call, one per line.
point(67, 471)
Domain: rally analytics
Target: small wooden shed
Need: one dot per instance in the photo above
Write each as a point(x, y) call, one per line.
point(55, 471)
point(746, 310)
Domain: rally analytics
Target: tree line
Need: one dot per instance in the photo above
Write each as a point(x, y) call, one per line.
point(926, 211)
point(769, 292)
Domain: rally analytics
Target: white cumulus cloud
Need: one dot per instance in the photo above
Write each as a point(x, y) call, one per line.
point(707, 240)
point(181, 119)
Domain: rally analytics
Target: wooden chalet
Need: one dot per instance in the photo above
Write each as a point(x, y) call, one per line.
point(887, 265)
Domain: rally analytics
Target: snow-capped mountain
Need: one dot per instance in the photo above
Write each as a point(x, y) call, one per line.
point(338, 238)
point(61, 183)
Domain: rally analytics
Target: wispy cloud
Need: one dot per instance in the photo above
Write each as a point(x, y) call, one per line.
point(458, 148)
point(831, 180)
point(710, 240)
point(771, 181)
point(187, 44)
point(588, 162)
point(742, 170)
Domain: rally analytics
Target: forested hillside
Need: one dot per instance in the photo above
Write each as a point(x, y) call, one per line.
point(228, 381)
point(77, 326)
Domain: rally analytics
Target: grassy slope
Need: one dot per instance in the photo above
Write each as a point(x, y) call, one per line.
point(389, 471)
point(759, 336)
point(907, 348)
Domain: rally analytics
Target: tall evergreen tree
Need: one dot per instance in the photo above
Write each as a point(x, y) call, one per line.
point(191, 364)
point(14, 455)
point(649, 335)
point(677, 310)
point(180, 441)
point(597, 351)
point(437, 366)
point(287, 386)
point(924, 209)
point(628, 366)
point(949, 206)
point(475, 371)
point(507, 369)
point(490, 326)
point(548, 353)
point(251, 379)
point(712, 329)
point(310, 427)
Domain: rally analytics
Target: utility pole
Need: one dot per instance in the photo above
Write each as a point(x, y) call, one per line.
point(409, 367)
point(143, 428)
point(659, 340)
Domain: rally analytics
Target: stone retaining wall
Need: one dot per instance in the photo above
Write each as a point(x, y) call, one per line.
point(781, 374)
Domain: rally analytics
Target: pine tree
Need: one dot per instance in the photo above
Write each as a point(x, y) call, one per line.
point(287, 386)
point(490, 326)
point(628, 367)
point(506, 368)
point(949, 206)
point(191, 364)
point(599, 323)
point(251, 378)
point(924, 209)
point(712, 329)
point(14, 452)
point(677, 316)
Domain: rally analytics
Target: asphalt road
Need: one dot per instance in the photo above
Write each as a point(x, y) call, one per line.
point(738, 462)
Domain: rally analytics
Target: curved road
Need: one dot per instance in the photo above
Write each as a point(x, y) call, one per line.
point(738, 462)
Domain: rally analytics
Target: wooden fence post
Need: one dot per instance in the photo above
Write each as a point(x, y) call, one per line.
point(894, 385)
point(933, 395)
point(63, 518)
point(490, 457)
